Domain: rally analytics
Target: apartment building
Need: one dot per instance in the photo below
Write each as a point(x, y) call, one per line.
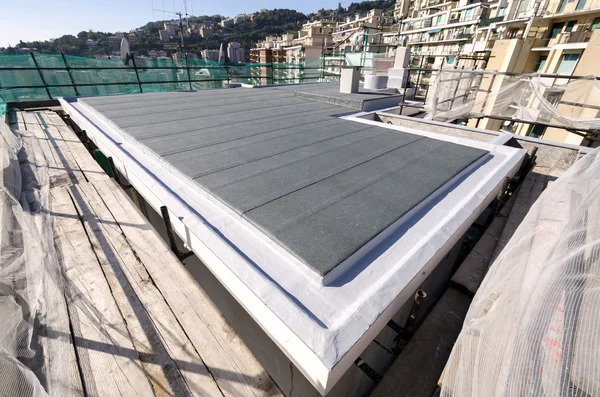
point(226, 23)
point(365, 31)
point(235, 52)
point(267, 55)
point(276, 42)
point(213, 55)
point(554, 37)
point(314, 39)
point(114, 42)
point(205, 32)
point(439, 31)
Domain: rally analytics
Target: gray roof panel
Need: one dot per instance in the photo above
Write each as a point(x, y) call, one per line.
point(321, 186)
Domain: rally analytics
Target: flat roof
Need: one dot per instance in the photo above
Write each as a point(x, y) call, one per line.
point(365, 100)
point(322, 323)
point(320, 186)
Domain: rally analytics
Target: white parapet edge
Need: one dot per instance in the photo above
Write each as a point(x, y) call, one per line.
point(348, 336)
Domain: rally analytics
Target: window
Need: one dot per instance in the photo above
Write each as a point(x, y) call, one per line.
point(468, 13)
point(567, 64)
point(523, 6)
point(580, 5)
point(556, 29)
point(439, 20)
point(537, 131)
point(539, 67)
point(570, 26)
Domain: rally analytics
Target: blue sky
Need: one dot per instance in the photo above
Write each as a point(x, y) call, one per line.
point(42, 19)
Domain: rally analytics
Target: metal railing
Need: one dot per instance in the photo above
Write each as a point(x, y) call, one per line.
point(484, 82)
point(33, 79)
point(489, 21)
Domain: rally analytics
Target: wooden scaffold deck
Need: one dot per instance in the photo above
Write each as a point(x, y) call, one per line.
point(134, 321)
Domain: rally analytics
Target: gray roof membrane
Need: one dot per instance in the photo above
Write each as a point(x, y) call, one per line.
point(321, 186)
point(364, 100)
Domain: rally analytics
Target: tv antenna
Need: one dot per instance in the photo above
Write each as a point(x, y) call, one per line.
point(180, 14)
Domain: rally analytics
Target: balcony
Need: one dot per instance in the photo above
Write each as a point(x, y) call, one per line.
point(425, 23)
point(563, 38)
point(489, 21)
point(564, 7)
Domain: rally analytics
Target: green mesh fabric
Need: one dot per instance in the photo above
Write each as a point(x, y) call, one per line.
point(3, 107)
point(49, 76)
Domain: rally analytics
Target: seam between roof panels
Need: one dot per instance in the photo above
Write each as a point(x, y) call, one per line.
point(319, 154)
point(374, 180)
point(193, 108)
point(187, 100)
point(192, 118)
point(278, 153)
point(240, 123)
point(239, 138)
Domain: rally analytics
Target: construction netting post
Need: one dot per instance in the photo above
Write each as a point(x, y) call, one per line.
point(41, 75)
point(137, 74)
point(69, 72)
point(187, 66)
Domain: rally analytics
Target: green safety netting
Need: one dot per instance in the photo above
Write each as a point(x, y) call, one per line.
point(35, 77)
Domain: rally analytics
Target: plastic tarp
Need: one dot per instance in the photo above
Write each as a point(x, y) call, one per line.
point(30, 286)
point(459, 94)
point(533, 328)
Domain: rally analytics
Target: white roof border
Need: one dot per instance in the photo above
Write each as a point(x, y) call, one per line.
point(322, 329)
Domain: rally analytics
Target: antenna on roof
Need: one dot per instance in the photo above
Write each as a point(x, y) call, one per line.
point(187, 18)
point(180, 25)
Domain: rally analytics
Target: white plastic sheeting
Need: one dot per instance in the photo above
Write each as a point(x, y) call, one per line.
point(533, 328)
point(459, 94)
point(28, 266)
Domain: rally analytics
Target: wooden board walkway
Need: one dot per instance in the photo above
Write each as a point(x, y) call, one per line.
point(132, 321)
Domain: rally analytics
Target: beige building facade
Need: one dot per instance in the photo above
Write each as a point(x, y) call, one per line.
point(557, 37)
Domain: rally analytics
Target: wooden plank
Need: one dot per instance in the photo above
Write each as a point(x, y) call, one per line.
point(61, 152)
point(53, 118)
point(90, 168)
point(60, 371)
point(229, 360)
point(169, 358)
point(21, 121)
point(56, 173)
point(109, 364)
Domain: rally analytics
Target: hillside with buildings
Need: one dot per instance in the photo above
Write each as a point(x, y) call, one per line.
point(199, 33)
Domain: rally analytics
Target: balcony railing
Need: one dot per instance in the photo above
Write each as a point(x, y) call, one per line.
point(489, 21)
point(563, 38)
